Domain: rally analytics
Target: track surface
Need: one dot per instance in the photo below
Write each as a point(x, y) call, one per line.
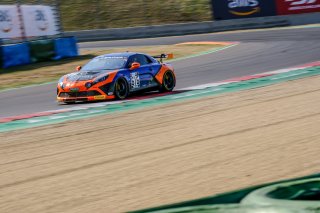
point(163, 154)
point(259, 51)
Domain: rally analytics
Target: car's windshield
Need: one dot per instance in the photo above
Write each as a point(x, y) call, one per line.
point(105, 63)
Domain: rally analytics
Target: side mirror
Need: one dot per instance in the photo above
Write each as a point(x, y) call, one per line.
point(78, 68)
point(134, 65)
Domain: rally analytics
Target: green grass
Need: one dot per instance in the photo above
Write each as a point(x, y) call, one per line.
point(99, 14)
point(124, 13)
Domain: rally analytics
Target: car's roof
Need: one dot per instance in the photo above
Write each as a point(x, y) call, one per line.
point(122, 54)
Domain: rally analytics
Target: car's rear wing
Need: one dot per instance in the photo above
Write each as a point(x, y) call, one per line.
point(162, 56)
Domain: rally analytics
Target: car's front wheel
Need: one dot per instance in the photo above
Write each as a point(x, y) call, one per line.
point(168, 82)
point(121, 90)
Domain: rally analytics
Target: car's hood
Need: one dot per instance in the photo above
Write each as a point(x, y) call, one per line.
point(84, 75)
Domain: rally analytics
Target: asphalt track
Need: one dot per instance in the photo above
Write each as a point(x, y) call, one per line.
point(258, 51)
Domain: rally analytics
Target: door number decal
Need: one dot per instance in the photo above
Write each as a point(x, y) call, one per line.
point(135, 80)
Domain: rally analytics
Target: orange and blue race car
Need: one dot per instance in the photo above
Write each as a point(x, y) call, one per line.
point(116, 76)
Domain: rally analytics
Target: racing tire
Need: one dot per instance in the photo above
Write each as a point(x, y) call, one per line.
point(169, 82)
point(121, 89)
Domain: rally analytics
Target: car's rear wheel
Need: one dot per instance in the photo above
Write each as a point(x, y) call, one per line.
point(121, 90)
point(168, 82)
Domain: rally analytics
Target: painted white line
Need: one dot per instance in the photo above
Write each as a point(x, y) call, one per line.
point(55, 117)
point(94, 105)
point(34, 120)
point(294, 74)
point(205, 86)
point(205, 53)
point(195, 94)
point(215, 84)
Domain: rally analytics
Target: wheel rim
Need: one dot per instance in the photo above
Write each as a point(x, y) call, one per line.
point(121, 89)
point(168, 80)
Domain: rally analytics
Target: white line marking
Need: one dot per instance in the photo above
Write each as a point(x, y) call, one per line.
point(215, 84)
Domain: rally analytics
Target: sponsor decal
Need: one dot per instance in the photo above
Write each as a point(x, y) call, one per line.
point(134, 80)
point(5, 21)
point(37, 20)
point(99, 97)
point(74, 89)
point(10, 25)
point(285, 7)
point(41, 20)
point(230, 9)
point(249, 7)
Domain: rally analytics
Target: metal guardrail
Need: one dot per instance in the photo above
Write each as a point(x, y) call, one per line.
point(175, 29)
point(194, 28)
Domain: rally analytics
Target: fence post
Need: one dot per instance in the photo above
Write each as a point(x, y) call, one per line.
point(20, 15)
point(57, 14)
point(212, 12)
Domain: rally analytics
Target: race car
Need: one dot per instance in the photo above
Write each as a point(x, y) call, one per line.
point(116, 76)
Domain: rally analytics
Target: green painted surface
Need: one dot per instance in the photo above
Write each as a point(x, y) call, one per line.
point(231, 201)
point(139, 104)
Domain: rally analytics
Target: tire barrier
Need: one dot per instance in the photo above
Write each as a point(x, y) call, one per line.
point(37, 51)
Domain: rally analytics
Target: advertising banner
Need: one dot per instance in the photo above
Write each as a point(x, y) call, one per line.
point(10, 26)
point(231, 9)
point(286, 7)
point(39, 20)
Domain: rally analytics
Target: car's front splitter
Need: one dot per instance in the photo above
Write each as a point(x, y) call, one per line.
point(85, 99)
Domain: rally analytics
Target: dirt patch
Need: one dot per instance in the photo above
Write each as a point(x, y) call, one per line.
point(163, 154)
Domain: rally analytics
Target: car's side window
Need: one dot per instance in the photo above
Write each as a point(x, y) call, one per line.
point(148, 60)
point(141, 59)
point(130, 61)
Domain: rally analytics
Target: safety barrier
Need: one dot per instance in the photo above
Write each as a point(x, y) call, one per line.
point(1, 62)
point(37, 51)
point(41, 50)
point(15, 54)
point(65, 47)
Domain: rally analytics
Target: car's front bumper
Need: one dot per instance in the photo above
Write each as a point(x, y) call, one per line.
point(67, 99)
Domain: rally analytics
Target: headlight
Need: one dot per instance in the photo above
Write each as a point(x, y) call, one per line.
point(88, 85)
point(98, 80)
point(61, 82)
